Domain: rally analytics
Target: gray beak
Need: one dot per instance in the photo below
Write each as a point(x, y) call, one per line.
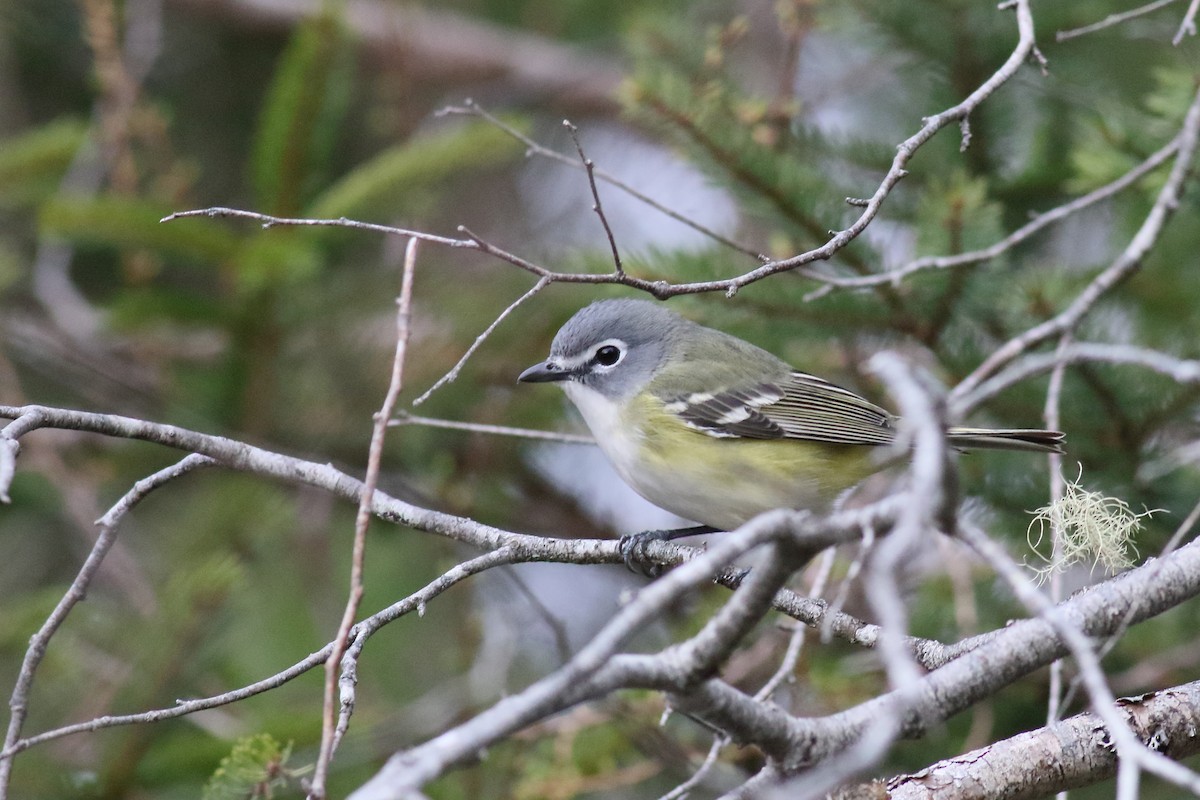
point(545, 372)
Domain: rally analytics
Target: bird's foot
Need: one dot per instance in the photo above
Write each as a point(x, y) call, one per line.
point(633, 547)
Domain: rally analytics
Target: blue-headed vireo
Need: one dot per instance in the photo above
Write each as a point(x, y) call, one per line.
point(715, 429)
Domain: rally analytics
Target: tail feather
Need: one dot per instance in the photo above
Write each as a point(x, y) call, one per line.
point(1008, 439)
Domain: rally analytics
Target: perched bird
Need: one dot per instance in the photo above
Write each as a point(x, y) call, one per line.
point(717, 430)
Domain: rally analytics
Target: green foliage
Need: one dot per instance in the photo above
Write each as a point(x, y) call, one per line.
point(395, 177)
point(302, 114)
point(255, 769)
point(283, 337)
point(32, 163)
point(10, 267)
point(121, 222)
point(955, 215)
point(1117, 139)
point(780, 168)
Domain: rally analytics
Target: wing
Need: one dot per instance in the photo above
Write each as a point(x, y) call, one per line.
point(800, 406)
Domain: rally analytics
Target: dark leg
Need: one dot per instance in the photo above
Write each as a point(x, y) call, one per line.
point(633, 546)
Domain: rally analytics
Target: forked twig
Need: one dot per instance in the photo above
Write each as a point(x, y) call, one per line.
point(590, 167)
point(661, 289)
point(109, 523)
point(1188, 26)
point(1127, 263)
point(533, 148)
point(334, 723)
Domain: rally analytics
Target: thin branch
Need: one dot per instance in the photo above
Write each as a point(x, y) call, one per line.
point(109, 523)
point(684, 789)
point(590, 167)
point(1127, 263)
point(1053, 418)
point(533, 148)
point(1023, 50)
point(1177, 369)
point(847, 582)
point(403, 418)
point(268, 221)
point(334, 723)
point(786, 671)
point(362, 631)
point(28, 418)
point(1188, 26)
point(905, 150)
point(1111, 19)
point(558, 629)
point(452, 375)
point(1038, 223)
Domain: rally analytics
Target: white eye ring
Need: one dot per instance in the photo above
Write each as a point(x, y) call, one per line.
point(608, 354)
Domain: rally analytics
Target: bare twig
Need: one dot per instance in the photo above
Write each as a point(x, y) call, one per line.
point(787, 665)
point(562, 640)
point(10, 448)
point(1053, 418)
point(662, 289)
point(905, 150)
point(1128, 262)
point(334, 722)
point(847, 581)
point(402, 418)
point(1111, 19)
point(1038, 223)
point(682, 790)
point(533, 148)
point(360, 634)
point(1188, 26)
point(450, 376)
point(1178, 370)
point(109, 523)
point(590, 167)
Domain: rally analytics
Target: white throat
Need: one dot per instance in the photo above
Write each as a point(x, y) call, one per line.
point(605, 419)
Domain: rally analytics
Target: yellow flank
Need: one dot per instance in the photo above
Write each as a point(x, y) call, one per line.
point(676, 467)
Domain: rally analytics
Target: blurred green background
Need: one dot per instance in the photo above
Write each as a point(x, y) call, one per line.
point(754, 118)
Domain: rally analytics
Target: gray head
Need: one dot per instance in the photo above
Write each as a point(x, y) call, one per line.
point(612, 346)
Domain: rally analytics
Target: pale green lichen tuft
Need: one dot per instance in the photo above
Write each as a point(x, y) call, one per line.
point(1091, 526)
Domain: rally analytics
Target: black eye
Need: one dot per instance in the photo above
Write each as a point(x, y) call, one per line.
point(608, 355)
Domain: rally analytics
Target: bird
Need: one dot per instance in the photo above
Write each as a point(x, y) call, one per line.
point(718, 430)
